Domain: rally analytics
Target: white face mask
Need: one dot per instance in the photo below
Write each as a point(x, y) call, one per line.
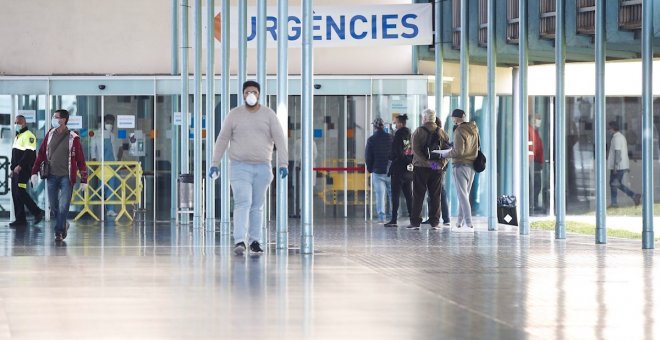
point(108, 127)
point(55, 123)
point(18, 127)
point(537, 123)
point(251, 99)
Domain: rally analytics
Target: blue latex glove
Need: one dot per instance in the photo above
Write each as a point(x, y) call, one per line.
point(214, 173)
point(284, 172)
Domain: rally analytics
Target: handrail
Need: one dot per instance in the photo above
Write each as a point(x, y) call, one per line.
point(4, 183)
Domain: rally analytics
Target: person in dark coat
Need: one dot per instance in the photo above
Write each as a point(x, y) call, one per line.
point(377, 154)
point(401, 174)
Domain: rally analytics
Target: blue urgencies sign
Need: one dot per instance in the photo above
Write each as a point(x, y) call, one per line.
point(406, 24)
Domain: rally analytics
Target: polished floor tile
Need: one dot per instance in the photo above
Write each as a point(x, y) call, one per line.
point(163, 281)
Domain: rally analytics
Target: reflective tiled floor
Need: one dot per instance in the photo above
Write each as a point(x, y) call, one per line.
point(161, 281)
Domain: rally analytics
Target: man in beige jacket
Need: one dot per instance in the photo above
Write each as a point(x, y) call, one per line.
point(463, 154)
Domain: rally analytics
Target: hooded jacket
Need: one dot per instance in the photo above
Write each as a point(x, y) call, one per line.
point(377, 152)
point(466, 140)
point(419, 139)
point(76, 157)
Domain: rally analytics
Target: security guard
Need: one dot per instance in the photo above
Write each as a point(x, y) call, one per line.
point(23, 154)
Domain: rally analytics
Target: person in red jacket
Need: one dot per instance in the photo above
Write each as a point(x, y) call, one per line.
point(536, 160)
point(62, 150)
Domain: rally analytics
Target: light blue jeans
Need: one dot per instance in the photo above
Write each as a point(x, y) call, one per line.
point(59, 195)
point(382, 194)
point(248, 184)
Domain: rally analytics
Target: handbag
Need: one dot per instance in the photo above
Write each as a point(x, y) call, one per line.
point(44, 168)
point(479, 163)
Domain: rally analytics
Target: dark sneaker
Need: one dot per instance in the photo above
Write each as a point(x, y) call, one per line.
point(413, 227)
point(239, 248)
point(38, 218)
point(445, 223)
point(17, 224)
point(58, 237)
point(391, 224)
point(426, 222)
point(66, 230)
point(637, 199)
point(255, 247)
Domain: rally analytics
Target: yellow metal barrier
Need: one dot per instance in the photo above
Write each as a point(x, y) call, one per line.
point(128, 176)
point(346, 178)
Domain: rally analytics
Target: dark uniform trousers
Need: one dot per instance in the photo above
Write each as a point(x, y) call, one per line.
point(22, 199)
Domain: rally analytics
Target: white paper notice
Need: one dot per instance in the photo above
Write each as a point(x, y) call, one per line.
point(75, 122)
point(125, 122)
point(177, 119)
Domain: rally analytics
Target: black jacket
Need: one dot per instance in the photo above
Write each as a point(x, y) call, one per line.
point(377, 152)
point(399, 161)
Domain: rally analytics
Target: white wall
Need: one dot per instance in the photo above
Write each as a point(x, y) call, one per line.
point(46, 37)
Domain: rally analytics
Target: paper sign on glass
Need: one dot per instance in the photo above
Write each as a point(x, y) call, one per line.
point(75, 122)
point(30, 115)
point(125, 122)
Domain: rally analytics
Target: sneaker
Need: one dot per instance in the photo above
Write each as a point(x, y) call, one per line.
point(255, 248)
point(239, 248)
point(66, 230)
point(391, 224)
point(412, 227)
point(17, 224)
point(445, 223)
point(58, 237)
point(637, 199)
point(434, 227)
point(111, 213)
point(612, 206)
point(38, 218)
point(426, 221)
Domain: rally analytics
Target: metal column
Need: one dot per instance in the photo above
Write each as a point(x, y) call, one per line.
point(224, 164)
point(242, 47)
point(307, 230)
point(465, 59)
point(174, 146)
point(492, 119)
point(197, 118)
point(599, 124)
point(438, 58)
point(560, 123)
point(210, 110)
point(282, 203)
point(522, 104)
point(185, 167)
point(261, 45)
point(647, 125)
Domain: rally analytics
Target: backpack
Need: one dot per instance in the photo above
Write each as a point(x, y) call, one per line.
point(432, 143)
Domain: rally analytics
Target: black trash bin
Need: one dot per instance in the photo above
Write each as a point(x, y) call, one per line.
point(506, 210)
point(186, 187)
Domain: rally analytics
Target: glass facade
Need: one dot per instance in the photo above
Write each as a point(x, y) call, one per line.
point(341, 126)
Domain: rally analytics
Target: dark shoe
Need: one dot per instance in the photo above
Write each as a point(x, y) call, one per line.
point(58, 237)
point(239, 248)
point(637, 199)
point(255, 248)
point(66, 230)
point(435, 227)
point(17, 224)
point(391, 224)
point(612, 206)
point(38, 218)
point(445, 223)
point(413, 227)
point(426, 222)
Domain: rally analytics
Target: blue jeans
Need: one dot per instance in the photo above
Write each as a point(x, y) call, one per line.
point(248, 185)
point(382, 187)
point(59, 195)
point(616, 183)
